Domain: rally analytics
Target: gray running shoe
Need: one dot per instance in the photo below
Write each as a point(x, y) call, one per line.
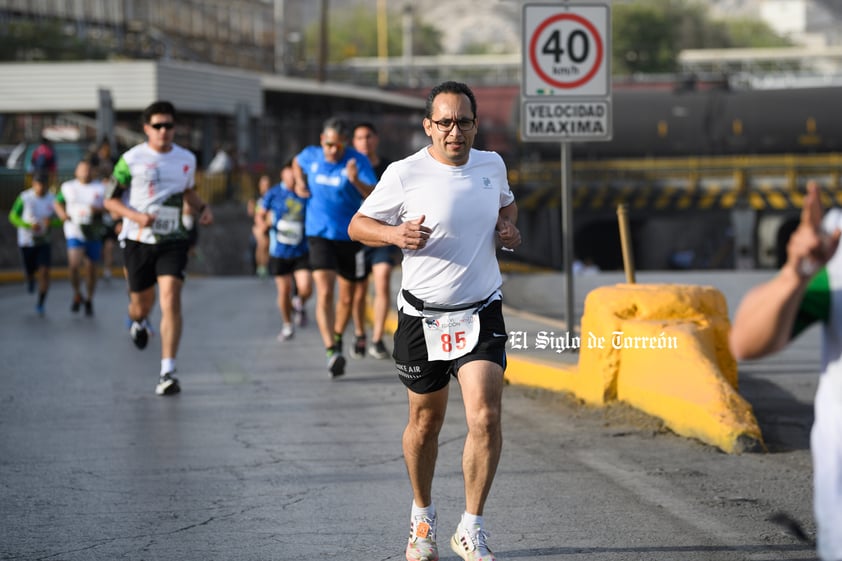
point(378, 350)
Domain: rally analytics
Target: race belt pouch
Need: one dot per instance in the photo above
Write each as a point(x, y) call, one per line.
point(451, 332)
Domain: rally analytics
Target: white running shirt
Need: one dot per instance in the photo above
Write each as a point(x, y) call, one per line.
point(81, 200)
point(461, 205)
point(32, 209)
point(156, 182)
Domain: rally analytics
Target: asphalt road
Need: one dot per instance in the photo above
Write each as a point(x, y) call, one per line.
point(262, 457)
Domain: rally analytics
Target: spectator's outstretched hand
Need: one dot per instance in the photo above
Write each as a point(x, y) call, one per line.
point(809, 248)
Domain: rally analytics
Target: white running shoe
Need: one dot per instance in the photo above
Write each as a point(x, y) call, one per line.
point(422, 539)
point(287, 332)
point(167, 385)
point(378, 350)
point(471, 545)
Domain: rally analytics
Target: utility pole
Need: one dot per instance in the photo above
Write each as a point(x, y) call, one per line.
point(322, 64)
point(382, 43)
point(408, 28)
point(280, 37)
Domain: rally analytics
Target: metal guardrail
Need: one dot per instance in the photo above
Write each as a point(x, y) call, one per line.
point(739, 173)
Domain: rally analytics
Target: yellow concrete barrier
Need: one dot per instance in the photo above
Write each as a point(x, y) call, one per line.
point(662, 349)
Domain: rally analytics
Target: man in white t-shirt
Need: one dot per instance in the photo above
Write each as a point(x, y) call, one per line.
point(79, 205)
point(156, 177)
point(447, 207)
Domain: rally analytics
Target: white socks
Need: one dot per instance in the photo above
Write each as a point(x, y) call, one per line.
point(167, 365)
point(427, 511)
point(471, 521)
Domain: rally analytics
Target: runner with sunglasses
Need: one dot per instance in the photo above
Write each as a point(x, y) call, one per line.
point(151, 182)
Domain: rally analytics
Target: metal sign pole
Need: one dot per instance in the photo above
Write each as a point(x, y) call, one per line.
point(567, 231)
point(566, 94)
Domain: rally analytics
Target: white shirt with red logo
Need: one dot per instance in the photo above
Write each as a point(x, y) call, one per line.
point(156, 183)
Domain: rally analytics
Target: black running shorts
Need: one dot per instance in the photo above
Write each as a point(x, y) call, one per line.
point(36, 256)
point(279, 267)
point(424, 376)
point(145, 262)
point(345, 257)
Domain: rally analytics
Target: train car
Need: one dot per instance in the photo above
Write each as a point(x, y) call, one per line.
point(684, 119)
point(720, 122)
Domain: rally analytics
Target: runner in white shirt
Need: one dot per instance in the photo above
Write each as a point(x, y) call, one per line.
point(157, 176)
point(34, 216)
point(79, 205)
point(447, 207)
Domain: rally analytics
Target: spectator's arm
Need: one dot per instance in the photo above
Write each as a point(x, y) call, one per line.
point(764, 320)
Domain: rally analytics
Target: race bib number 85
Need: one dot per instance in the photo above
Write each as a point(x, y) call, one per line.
point(451, 335)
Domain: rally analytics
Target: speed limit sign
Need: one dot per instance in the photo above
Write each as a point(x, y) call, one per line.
point(566, 50)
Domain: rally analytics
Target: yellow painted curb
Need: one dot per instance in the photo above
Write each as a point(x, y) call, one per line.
point(56, 273)
point(553, 376)
point(665, 352)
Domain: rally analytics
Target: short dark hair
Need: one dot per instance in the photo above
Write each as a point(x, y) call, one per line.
point(450, 87)
point(337, 124)
point(158, 108)
point(365, 125)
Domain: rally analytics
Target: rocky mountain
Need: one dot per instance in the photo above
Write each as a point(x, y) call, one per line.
point(492, 24)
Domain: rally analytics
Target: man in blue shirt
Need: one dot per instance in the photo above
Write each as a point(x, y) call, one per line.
point(334, 179)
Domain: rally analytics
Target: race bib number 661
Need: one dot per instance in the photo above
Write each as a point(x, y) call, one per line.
point(166, 219)
point(451, 335)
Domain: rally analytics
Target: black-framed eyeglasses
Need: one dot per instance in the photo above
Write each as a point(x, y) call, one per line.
point(159, 126)
point(445, 125)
